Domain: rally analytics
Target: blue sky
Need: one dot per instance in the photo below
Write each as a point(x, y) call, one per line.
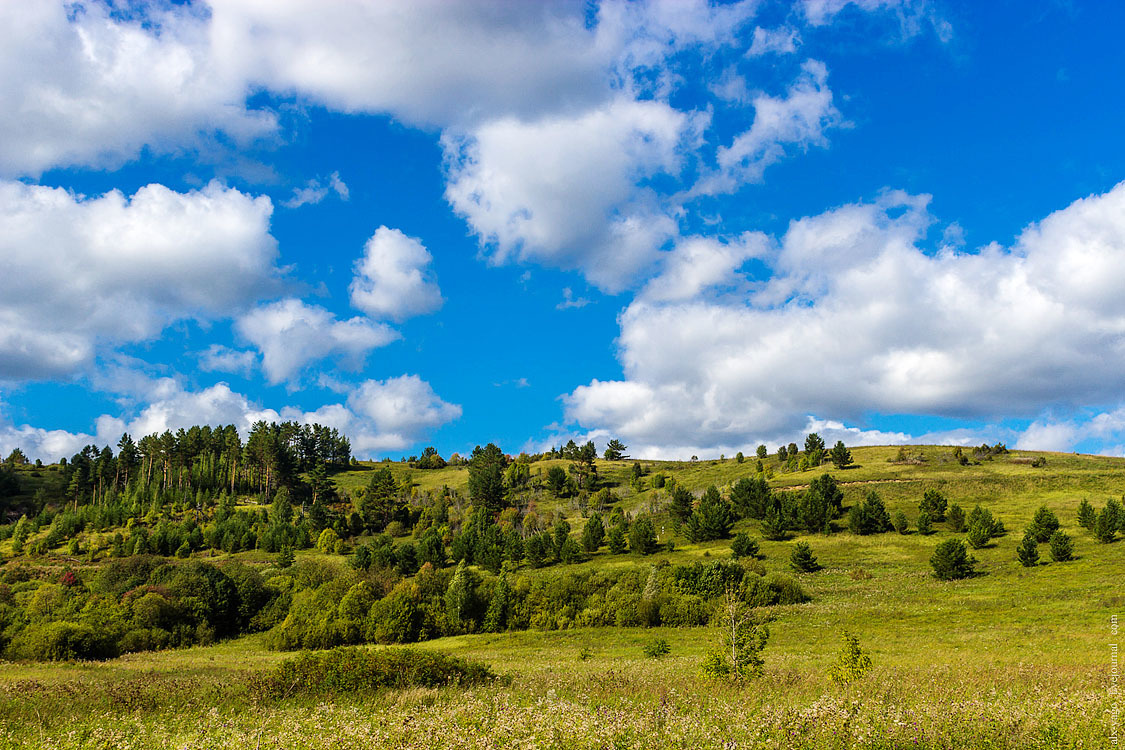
point(695, 227)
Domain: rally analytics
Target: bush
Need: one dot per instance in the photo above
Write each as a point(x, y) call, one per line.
point(802, 559)
point(951, 561)
point(934, 504)
point(852, 663)
point(743, 546)
point(657, 648)
point(1086, 515)
point(60, 641)
point(344, 671)
point(1062, 548)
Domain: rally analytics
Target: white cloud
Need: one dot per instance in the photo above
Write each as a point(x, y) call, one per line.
point(291, 334)
point(797, 120)
point(912, 16)
point(80, 272)
point(780, 41)
point(569, 301)
point(393, 278)
point(219, 358)
point(858, 319)
point(399, 411)
point(94, 88)
point(315, 191)
point(700, 263)
point(563, 191)
point(392, 414)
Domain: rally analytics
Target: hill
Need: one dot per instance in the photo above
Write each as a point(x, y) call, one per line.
point(1012, 656)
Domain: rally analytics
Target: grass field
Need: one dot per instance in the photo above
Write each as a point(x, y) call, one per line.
point(1015, 657)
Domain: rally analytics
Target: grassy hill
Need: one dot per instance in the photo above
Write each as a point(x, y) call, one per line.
point(1013, 657)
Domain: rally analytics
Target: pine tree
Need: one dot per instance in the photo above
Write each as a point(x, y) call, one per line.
point(933, 503)
point(902, 525)
point(681, 504)
point(1105, 527)
point(1028, 551)
point(743, 546)
point(642, 537)
point(712, 519)
point(951, 561)
point(1086, 515)
point(840, 455)
point(615, 540)
point(925, 524)
point(1062, 548)
point(593, 533)
point(1044, 524)
point(773, 526)
point(956, 518)
point(979, 534)
point(802, 559)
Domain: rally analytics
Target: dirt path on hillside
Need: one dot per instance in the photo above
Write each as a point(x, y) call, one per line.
point(849, 484)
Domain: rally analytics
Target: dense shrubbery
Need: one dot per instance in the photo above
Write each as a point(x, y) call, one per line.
point(346, 671)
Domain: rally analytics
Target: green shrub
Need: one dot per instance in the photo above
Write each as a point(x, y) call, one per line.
point(933, 503)
point(657, 648)
point(345, 671)
point(1086, 515)
point(852, 663)
point(869, 517)
point(642, 537)
point(956, 519)
point(902, 524)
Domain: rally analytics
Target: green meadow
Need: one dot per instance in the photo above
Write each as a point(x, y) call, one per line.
point(1013, 657)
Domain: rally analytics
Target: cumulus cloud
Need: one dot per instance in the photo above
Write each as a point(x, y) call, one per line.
point(82, 271)
point(912, 16)
point(379, 415)
point(291, 334)
point(700, 263)
point(84, 86)
point(858, 318)
point(563, 191)
point(393, 279)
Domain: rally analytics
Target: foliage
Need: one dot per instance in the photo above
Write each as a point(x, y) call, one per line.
point(951, 561)
point(615, 450)
point(656, 648)
point(1087, 517)
point(956, 518)
point(486, 477)
point(802, 560)
point(901, 523)
point(743, 546)
point(1044, 524)
point(738, 654)
point(840, 455)
point(869, 517)
point(852, 662)
point(1028, 551)
point(593, 533)
point(642, 536)
point(712, 520)
point(1062, 547)
point(933, 504)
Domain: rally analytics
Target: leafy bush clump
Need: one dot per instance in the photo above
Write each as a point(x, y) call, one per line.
point(357, 670)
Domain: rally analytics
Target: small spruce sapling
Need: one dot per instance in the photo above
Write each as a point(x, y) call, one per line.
point(951, 561)
point(743, 546)
point(902, 525)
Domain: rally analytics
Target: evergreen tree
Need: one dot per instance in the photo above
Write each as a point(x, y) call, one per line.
point(802, 559)
point(743, 546)
point(1028, 551)
point(934, 504)
point(1086, 515)
point(870, 516)
point(642, 537)
point(840, 455)
point(1105, 527)
point(593, 533)
point(615, 540)
point(1062, 548)
point(762, 453)
point(750, 497)
point(560, 534)
point(486, 477)
point(681, 504)
point(556, 481)
point(925, 524)
point(712, 519)
point(902, 524)
point(615, 450)
point(460, 599)
point(979, 534)
point(285, 558)
point(819, 504)
point(499, 606)
point(773, 526)
point(1044, 524)
point(951, 561)
point(956, 518)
